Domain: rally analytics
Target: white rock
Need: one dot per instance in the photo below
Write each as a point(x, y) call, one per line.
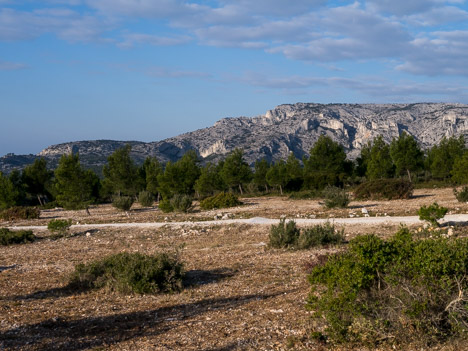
point(364, 211)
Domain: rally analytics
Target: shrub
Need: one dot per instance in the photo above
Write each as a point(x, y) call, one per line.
point(432, 213)
point(165, 206)
point(462, 195)
point(319, 235)
point(20, 212)
point(181, 203)
point(304, 195)
point(123, 203)
point(145, 198)
point(59, 226)
point(399, 291)
point(8, 237)
point(221, 200)
point(389, 189)
point(335, 197)
point(131, 273)
point(284, 235)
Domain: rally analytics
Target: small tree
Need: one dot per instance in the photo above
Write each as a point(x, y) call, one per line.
point(235, 170)
point(432, 213)
point(379, 163)
point(37, 179)
point(406, 155)
point(259, 177)
point(460, 170)
point(277, 175)
point(210, 181)
point(152, 169)
point(120, 173)
point(8, 193)
point(441, 157)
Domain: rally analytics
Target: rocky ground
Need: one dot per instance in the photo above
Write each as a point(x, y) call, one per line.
point(238, 295)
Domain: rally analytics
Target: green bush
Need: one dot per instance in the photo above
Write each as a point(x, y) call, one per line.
point(284, 235)
point(398, 291)
point(432, 213)
point(319, 235)
point(287, 235)
point(123, 203)
point(181, 203)
point(145, 198)
point(304, 195)
point(335, 197)
point(221, 200)
point(8, 237)
point(389, 189)
point(131, 273)
point(166, 206)
point(462, 195)
point(20, 212)
point(59, 227)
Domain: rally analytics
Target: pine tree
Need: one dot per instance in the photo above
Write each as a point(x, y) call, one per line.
point(236, 171)
point(120, 173)
point(37, 179)
point(379, 163)
point(406, 155)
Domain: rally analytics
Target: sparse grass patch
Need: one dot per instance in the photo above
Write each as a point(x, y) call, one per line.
point(131, 273)
point(9, 237)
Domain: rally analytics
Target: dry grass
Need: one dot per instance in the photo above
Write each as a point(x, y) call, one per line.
point(239, 295)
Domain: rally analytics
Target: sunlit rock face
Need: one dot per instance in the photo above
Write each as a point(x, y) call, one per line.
point(287, 128)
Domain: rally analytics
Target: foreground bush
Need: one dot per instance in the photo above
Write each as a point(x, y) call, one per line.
point(397, 291)
point(145, 198)
point(462, 195)
point(9, 237)
point(335, 197)
point(123, 203)
point(221, 200)
point(131, 273)
point(389, 189)
point(432, 213)
point(287, 235)
point(20, 212)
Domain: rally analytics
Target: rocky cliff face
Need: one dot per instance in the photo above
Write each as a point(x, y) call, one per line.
point(287, 128)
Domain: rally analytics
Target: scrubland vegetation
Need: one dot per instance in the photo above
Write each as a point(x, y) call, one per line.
point(241, 287)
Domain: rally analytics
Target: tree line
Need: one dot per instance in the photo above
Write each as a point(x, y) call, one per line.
point(73, 187)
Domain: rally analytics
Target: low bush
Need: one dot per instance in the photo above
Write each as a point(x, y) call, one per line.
point(432, 213)
point(123, 203)
point(287, 235)
point(284, 235)
point(462, 195)
point(59, 226)
point(180, 203)
point(389, 189)
point(305, 194)
point(401, 291)
point(131, 273)
point(20, 212)
point(335, 197)
point(221, 200)
point(9, 237)
point(145, 198)
point(320, 235)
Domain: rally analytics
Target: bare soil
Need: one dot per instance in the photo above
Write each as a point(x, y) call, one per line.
point(239, 295)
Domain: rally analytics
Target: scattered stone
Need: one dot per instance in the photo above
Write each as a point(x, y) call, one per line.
point(364, 211)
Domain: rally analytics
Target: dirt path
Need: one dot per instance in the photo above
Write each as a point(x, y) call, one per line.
point(408, 220)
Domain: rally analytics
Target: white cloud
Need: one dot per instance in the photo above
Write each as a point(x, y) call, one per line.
point(132, 39)
point(12, 66)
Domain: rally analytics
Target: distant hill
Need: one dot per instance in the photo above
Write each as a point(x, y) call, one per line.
point(287, 128)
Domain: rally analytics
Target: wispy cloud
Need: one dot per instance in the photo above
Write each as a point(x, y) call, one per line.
point(12, 66)
point(129, 40)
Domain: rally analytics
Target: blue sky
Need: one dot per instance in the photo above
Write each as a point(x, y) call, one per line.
point(150, 69)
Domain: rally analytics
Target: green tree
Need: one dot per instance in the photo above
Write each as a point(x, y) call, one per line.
point(75, 187)
point(460, 169)
point(441, 157)
point(37, 180)
point(294, 172)
point(406, 155)
point(379, 163)
point(363, 159)
point(152, 169)
point(210, 181)
point(121, 173)
point(277, 175)
point(8, 193)
point(327, 164)
point(236, 171)
point(180, 177)
point(259, 176)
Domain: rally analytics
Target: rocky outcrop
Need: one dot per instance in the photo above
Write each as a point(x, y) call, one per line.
point(287, 128)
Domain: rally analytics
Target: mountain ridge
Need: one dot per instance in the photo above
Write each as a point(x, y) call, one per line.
point(284, 129)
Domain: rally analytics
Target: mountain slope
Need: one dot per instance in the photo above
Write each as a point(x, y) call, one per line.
point(285, 129)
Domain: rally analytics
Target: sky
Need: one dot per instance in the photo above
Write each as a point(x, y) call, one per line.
point(150, 69)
